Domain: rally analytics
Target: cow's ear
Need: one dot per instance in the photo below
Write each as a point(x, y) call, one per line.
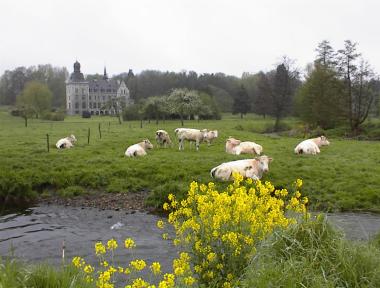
point(270, 159)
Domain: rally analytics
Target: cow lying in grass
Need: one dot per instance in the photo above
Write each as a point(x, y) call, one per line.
point(138, 149)
point(67, 142)
point(311, 146)
point(163, 138)
point(236, 147)
point(209, 135)
point(249, 168)
point(192, 135)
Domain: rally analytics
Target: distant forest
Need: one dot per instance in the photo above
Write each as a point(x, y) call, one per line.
point(339, 86)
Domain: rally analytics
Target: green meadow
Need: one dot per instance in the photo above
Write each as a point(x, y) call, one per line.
point(345, 176)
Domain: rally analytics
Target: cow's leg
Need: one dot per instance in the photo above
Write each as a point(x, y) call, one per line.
point(197, 144)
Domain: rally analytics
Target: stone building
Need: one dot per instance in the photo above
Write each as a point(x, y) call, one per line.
point(95, 96)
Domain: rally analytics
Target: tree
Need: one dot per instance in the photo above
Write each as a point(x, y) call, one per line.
point(35, 98)
point(154, 107)
point(242, 103)
point(262, 103)
point(363, 95)
point(359, 94)
point(184, 102)
point(320, 98)
point(284, 84)
point(326, 55)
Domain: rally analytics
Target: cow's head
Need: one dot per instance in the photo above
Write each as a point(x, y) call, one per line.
point(147, 144)
point(232, 141)
point(72, 138)
point(263, 162)
point(324, 141)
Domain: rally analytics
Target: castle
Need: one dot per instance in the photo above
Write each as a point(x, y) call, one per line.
point(94, 96)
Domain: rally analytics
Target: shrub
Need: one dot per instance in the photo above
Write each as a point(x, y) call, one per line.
point(86, 114)
point(54, 116)
point(132, 112)
point(220, 230)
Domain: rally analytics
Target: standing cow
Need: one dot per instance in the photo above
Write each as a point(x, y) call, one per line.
point(163, 138)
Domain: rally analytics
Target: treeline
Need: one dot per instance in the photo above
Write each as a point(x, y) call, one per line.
point(338, 88)
point(12, 83)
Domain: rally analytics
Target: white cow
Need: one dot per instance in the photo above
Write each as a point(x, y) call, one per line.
point(138, 149)
point(249, 168)
point(209, 135)
point(163, 138)
point(67, 142)
point(236, 147)
point(311, 146)
point(192, 135)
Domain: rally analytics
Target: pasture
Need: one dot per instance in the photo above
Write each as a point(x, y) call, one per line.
point(345, 176)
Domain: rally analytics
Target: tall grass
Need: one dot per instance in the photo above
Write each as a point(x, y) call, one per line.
point(313, 254)
point(15, 274)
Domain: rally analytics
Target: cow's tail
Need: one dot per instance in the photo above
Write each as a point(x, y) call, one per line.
point(213, 171)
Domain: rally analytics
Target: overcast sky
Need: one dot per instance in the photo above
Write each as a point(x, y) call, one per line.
point(202, 35)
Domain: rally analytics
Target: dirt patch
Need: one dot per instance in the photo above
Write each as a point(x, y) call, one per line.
point(106, 201)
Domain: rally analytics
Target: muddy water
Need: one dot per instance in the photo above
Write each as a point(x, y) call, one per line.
point(37, 233)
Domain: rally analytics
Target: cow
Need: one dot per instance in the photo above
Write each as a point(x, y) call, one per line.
point(248, 168)
point(209, 135)
point(311, 146)
point(67, 142)
point(236, 147)
point(192, 135)
point(138, 149)
point(163, 138)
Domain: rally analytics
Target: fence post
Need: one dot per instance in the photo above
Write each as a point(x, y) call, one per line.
point(88, 136)
point(141, 123)
point(47, 142)
point(109, 125)
point(100, 132)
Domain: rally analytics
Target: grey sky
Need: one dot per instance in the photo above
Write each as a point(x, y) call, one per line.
point(201, 35)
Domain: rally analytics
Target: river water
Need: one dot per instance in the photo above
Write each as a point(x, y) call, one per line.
point(37, 234)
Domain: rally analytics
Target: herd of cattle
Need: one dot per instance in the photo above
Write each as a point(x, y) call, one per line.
point(249, 168)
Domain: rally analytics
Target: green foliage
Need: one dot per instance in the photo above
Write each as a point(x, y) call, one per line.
point(54, 116)
point(320, 99)
point(313, 254)
point(242, 102)
point(132, 112)
point(35, 98)
point(15, 274)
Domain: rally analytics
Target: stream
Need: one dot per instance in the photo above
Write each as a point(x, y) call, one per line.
point(36, 234)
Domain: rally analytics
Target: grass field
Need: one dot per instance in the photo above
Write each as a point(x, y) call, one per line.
point(345, 176)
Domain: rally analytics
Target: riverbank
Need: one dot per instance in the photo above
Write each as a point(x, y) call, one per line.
point(133, 201)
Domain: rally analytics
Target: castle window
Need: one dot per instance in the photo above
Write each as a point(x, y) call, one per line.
point(84, 105)
point(69, 105)
point(83, 91)
point(101, 90)
point(95, 90)
point(76, 105)
point(76, 90)
point(104, 98)
point(89, 97)
point(109, 90)
point(114, 90)
point(90, 89)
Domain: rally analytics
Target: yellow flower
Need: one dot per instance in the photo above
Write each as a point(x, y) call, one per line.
point(299, 183)
point(165, 236)
point(111, 244)
point(189, 280)
point(78, 262)
point(104, 263)
point(129, 243)
point(127, 271)
point(138, 264)
point(211, 257)
point(99, 248)
point(88, 269)
point(166, 206)
point(160, 224)
point(156, 268)
point(139, 283)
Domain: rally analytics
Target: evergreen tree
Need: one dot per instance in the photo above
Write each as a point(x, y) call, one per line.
point(242, 102)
